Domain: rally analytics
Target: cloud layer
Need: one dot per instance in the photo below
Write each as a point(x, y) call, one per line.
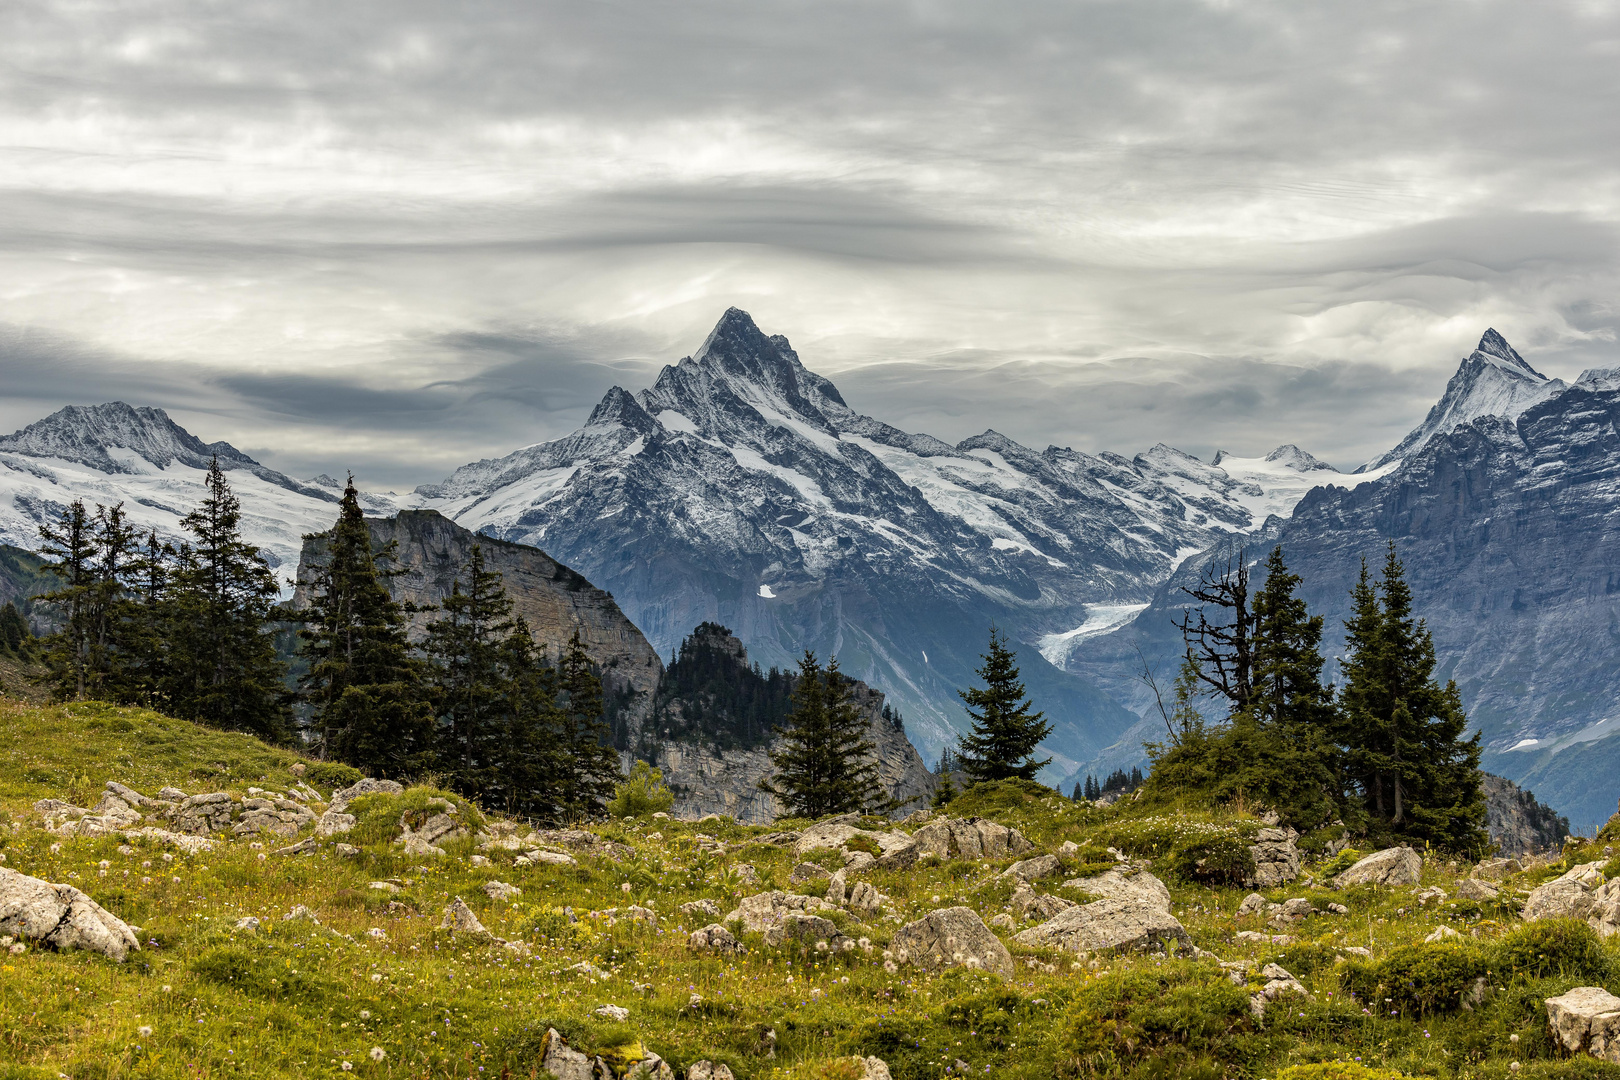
point(395, 237)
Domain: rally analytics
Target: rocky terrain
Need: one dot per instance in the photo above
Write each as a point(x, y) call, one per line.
point(723, 778)
point(430, 551)
point(269, 919)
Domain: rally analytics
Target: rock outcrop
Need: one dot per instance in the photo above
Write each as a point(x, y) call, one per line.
point(1276, 858)
point(1108, 924)
point(1391, 867)
point(1569, 896)
point(431, 551)
point(952, 937)
point(1587, 1020)
point(762, 911)
point(1517, 822)
point(61, 917)
point(957, 838)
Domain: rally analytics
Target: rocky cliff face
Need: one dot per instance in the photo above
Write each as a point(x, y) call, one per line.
point(716, 764)
point(431, 551)
point(1517, 822)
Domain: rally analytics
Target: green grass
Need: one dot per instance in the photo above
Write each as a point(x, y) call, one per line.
point(297, 1000)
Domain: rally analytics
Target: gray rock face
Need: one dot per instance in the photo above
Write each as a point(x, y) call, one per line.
point(714, 937)
point(364, 786)
point(952, 937)
point(278, 817)
point(957, 838)
point(802, 926)
point(1028, 904)
point(760, 912)
point(459, 919)
point(1517, 822)
point(706, 780)
point(1475, 889)
point(61, 917)
point(1139, 887)
point(202, 815)
point(1391, 867)
point(1586, 1020)
point(1570, 896)
point(555, 601)
point(1108, 924)
point(1276, 858)
point(566, 1063)
point(1034, 869)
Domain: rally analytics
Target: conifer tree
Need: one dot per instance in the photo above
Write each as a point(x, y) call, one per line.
point(69, 546)
point(1403, 732)
point(14, 631)
point(363, 683)
point(529, 775)
point(824, 764)
point(223, 669)
point(466, 647)
point(1005, 731)
point(590, 764)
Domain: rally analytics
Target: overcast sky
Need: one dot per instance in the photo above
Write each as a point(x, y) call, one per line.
point(397, 236)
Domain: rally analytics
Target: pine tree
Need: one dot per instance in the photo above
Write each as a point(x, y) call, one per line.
point(1404, 732)
point(223, 669)
point(530, 774)
point(590, 764)
point(363, 683)
point(1005, 732)
point(14, 631)
point(824, 764)
point(70, 547)
point(469, 678)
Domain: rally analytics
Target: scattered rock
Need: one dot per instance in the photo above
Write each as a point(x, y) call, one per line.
point(1294, 910)
point(865, 900)
point(1253, 904)
point(952, 936)
point(459, 919)
point(1028, 904)
point(347, 850)
point(1005, 921)
point(368, 786)
point(967, 838)
point(1136, 888)
point(1392, 867)
point(858, 860)
point(61, 917)
point(1109, 924)
point(836, 888)
point(838, 832)
point(1441, 933)
point(715, 937)
point(1433, 894)
point(1034, 869)
point(281, 817)
point(189, 845)
point(760, 912)
point(1338, 909)
point(1495, 869)
point(297, 769)
point(499, 890)
point(708, 1070)
point(334, 823)
point(1566, 897)
point(201, 815)
point(421, 832)
point(617, 1013)
point(706, 908)
point(1276, 858)
point(550, 858)
point(128, 794)
point(1587, 1019)
point(384, 886)
point(806, 872)
point(1477, 889)
point(300, 913)
point(1279, 983)
point(565, 1063)
point(172, 794)
point(248, 923)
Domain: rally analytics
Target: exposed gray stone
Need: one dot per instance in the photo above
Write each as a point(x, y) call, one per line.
point(61, 917)
point(950, 937)
point(802, 926)
point(705, 908)
point(1139, 887)
point(499, 890)
point(459, 919)
point(1108, 924)
point(367, 786)
point(1391, 867)
point(1567, 897)
point(714, 937)
point(1276, 858)
point(1033, 869)
point(1586, 1019)
point(760, 912)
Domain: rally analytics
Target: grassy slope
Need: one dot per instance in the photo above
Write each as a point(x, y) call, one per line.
point(296, 1000)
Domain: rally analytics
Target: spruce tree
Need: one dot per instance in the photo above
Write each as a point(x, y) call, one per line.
point(469, 678)
point(70, 550)
point(14, 630)
point(363, 683)
point(824, 763)
point(1402, 731)
point(529, 775)
point(223, 669)
point(590, 764)
point(1005, 732)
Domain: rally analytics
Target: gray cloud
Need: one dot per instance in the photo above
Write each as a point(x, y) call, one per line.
point(396, 237)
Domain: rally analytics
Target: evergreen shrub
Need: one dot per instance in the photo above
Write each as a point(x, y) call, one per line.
point(1423, 978)
point(1561, 947)
point(332, 774)
point(642, 794)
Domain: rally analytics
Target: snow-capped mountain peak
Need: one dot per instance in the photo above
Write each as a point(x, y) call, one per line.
point(1494, 380)
point(116, 438)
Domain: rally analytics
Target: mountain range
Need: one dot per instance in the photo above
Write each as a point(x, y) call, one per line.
point(741, 489)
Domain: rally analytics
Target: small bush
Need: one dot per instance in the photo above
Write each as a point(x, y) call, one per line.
point(1549, 947)
point(1426, 978)
point(1226, 860)
point(643, 794)
point(378, 816)
point(332, 774)
point(1182, 1018)
point(1341, 862)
